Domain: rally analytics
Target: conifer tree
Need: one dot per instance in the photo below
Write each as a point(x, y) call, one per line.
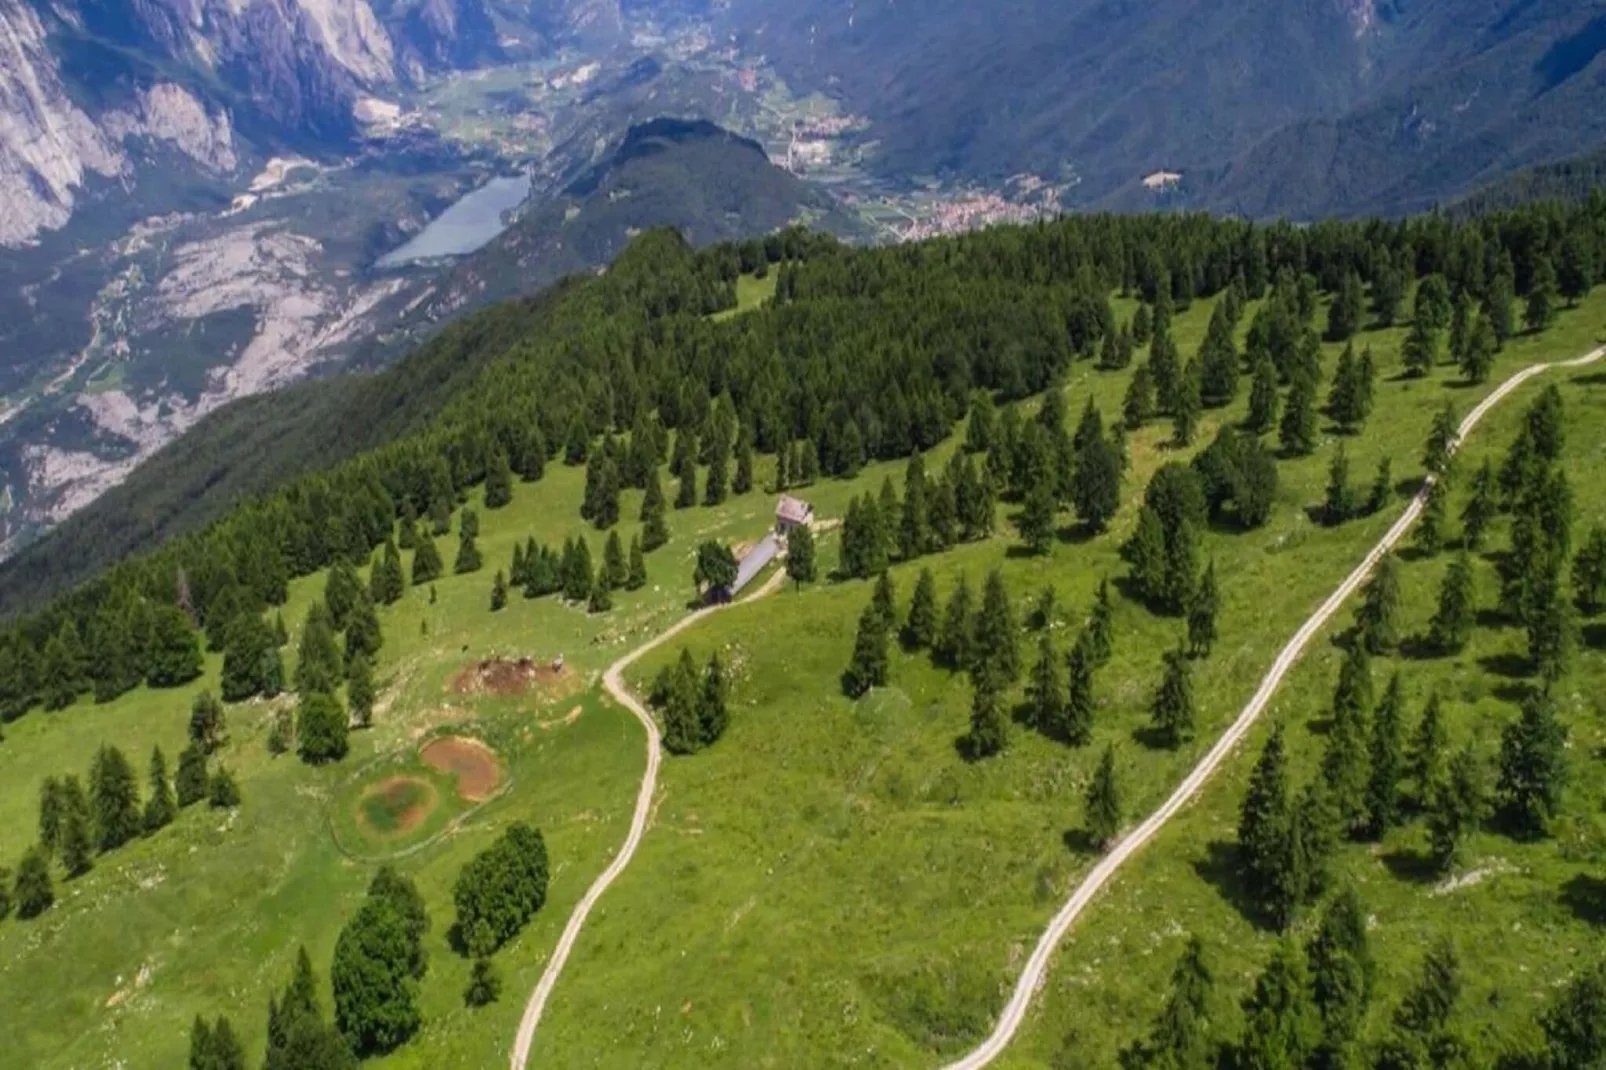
point(869, 667)
point(1045, 689)
point(426, 561)
point(173, 654)
point(1181, 1038)
point(1387, 761)
point(783, 467)
point(1442, 439)
point(1185, 407)
point(498, 592)
point(654, 531)
point(716, 488)
point(1430, 535)
point(340, 593)
point(189, 783)
point(1341, 972)
point(1552, 631)
point(1265, 830)
point(387, 583)
point(1421, 1035)
point(33, 891)
point(1202, 612)
point(1421, 349)
point(1264, 401)
point(1345, 314)
point(280, 734)
point(920, 629)
point(52, 813)
point(1377, 621)
point(1036, 521)
point(884, 599)
point(914, 528)
point(222, 791)
point(407, 530)
point(468, 555)
point(1424, 762)
point(1281, 1025)
point(1339, 505)
point(1539, 311)
point(321, 728)
point(1345, 769)
point(1104, 802)
point(1218, 360)
point(360, 690)
point(1297, 431)
point(1101, 626)
point(954, 643)
point(206, 725)
point(113, 799)
point(1171, 711)
point(686, 492)
point(160, 806)
point(801, 565)
point(1137, 408)
point(77, 838)
point(712, 713)
point(1452, 623)
point(996, 650)
point(1096, 484)
point(484, 985)
point(989, 726)
point(680, 700)
point(1382, 492)
point(600, 597)
point(1456, 806)
point(1480, 509)
point(742, 481)
point(1533, 766)
point(636, 570)
point(614, 563)
point(363, 635)
point(498, 480)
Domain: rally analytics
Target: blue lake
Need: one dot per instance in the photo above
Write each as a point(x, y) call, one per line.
point(475, 219)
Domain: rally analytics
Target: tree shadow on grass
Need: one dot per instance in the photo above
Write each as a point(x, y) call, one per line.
point(1408, 488)
point(1077, 534)
point(1491, 619)
point(1590, 379)
point(1218, 867)
point(1411, 865)
point(1594, 635)
point(1585, 896)
point(1419, 648)
point(1152, 738)
point(1511, 666)
point(1079, 842)
point(1019, 552)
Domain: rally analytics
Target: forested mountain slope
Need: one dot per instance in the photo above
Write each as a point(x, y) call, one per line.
point(1091, 474)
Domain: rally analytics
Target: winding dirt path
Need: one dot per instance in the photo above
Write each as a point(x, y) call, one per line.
point(1014, 1013)
point(613, 680)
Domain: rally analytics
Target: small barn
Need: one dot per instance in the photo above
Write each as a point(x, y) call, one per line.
point(792, 512)
point(751, 564)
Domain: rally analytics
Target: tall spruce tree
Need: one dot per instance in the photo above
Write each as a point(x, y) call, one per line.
point(1457, 804)
point(1171, 714)
point(113, 799)
point(989, 725)
point(995, 649)
point(1045, 689)
point(1533, 767)
point(1202, 612)
point(920, 628)
point(1103, 806)
point(954, 641)
point(870, 664)
point(1451, 627)
point(1377, 620)
point(160, 805)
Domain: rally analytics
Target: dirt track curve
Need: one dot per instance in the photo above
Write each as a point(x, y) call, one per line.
point(614, 681)
point(1009, 1022)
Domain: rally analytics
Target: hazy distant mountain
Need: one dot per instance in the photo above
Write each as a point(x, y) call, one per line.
point(1262, 106)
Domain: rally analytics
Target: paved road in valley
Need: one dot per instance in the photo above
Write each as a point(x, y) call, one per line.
point(614, 681)
point(1009, 1022)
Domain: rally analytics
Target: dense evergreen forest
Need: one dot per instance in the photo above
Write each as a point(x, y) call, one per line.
point(863, 354)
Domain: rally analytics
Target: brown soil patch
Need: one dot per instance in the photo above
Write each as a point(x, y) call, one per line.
point(396, 805)
point(471, 764)
point(498, 676)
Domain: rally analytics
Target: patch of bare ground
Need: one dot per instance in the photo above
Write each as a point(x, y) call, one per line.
point(470, 763)
point(503, 677)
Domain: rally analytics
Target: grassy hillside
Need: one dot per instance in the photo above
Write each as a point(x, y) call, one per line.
point(831, 883)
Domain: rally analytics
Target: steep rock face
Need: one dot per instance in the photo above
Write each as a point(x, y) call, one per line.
point(78, 78)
